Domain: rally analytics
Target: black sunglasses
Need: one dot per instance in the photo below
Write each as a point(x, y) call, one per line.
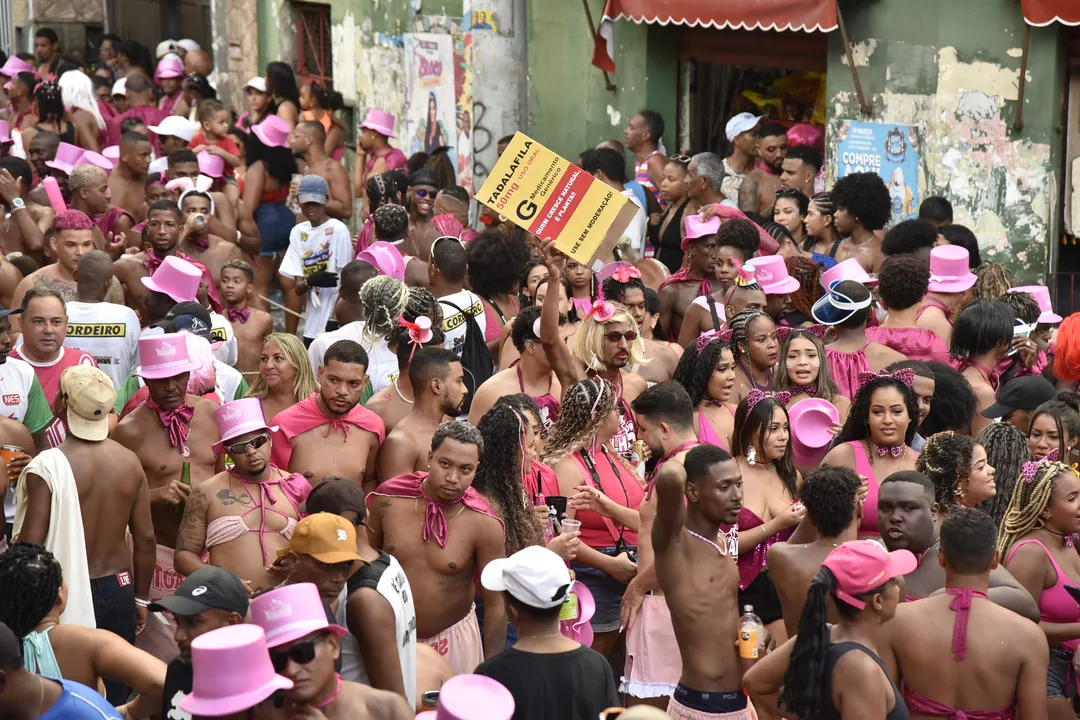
point(241, 448)
point(426, 194)
point(300, 654)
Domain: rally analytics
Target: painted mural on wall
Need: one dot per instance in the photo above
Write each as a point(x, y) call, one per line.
point(430, 103)
point(888, 150)
point(463, 108)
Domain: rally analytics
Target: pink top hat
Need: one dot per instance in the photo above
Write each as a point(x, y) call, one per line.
point(164, 356)
point(290, 612)
point(169, 67)
point(695, 228)
point(67, 157)
point(112, 152)
point(949, 271)
point(5, 132)
point(472, 697)
point(273, 131)
point(211, 165)
point(380, 121)
point(231, 672)
point(385, 258)
point(1041, 293)
point(14, 66)
point(92, 158)
point(237, 418)
point(850, 269)
point(810, 422)
point(177, 278)
point(771, 274)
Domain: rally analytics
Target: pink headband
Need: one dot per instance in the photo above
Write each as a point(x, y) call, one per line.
point(905, 375)
point(705, 338)
point(624, 274)
point(783, 332)
point(755, 396)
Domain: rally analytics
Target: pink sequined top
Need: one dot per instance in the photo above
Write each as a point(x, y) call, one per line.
point(753, 562)
point(915, 343)
point(844, 368)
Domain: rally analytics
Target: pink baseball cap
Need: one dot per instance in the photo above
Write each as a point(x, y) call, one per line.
point(863, 565)
point(949, 272)
point(290, 612)
point(850, 269)
point(695, 228)
point(273, 131)
point(169, 67)
point(1041, 293)
point(385, 258)
point(472, 697)
point(380, 121)
point(771, 274)
point(211, 165)
point(231, 672)
point(237, 418)
point(67, 157)
point(175, 277)
point(15, 65)
point(164, 356)
point(810, 421)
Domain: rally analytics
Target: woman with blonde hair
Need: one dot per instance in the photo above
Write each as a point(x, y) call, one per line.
point(285, 376)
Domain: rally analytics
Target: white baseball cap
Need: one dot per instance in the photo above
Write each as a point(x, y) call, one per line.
point(120, 87)
point(257, 83)
point(741, 123)
point(188, 45)
point(165, 47)
point(176, 126)
point(534, 576)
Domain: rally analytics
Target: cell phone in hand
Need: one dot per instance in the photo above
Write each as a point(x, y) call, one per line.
point(1074, 591)
point(558, 502)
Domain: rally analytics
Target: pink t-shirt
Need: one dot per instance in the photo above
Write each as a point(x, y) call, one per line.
point(48, 374)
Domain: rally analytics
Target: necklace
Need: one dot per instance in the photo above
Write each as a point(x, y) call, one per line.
point(333, 695)
point(819, 542)
point(705, 539)
point(41, 696)
point(883, 450)
point(750, 376)
point(398, 391)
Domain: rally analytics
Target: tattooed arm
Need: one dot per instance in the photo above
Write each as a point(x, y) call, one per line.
point(748, 194)
point(191, 539)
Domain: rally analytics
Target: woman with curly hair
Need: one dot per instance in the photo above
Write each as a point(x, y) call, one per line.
point(285, 376)
point(808, 273)
point(902, 286)
point(863, 206)
point(494, 263)
point(605, 495)
point(756, 350)
point(876, 439)
point(707, 371)
point(1006, 451)
point(959, 469)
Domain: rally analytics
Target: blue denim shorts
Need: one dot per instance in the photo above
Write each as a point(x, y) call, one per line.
point(1060, 681)
point(275, 222)
point(607, 592)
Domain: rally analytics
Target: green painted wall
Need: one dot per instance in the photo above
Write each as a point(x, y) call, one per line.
point(921, 62)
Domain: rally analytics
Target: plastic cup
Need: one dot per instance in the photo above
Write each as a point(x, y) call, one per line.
point(569, 526)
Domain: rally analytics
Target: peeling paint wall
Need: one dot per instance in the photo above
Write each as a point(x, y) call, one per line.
point(919, 63)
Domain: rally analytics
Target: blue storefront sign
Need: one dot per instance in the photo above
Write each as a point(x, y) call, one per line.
point(889, 150)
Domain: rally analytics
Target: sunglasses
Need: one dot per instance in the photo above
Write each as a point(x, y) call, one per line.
point(614, 337)
point(241, 448)
point(426, 194)
point(300, 654)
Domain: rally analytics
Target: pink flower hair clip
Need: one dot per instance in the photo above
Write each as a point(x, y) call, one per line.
point(601, 310)
point(626, 273)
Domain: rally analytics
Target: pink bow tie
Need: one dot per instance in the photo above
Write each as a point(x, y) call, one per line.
point(895, 451)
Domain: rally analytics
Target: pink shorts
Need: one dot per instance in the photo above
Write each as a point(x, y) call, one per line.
point(653, 663)
point(460, 645)
point(681, 712)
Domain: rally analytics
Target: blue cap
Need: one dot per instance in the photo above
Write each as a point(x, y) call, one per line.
point(312, 189)
point(834, 307)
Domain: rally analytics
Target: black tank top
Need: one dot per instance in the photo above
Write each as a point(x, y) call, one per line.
point(669, 245)
point(832, 656)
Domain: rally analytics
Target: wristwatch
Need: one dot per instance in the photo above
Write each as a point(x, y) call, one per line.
point(17, 204)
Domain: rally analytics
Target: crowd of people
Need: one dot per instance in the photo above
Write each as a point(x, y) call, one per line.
point(770, 458)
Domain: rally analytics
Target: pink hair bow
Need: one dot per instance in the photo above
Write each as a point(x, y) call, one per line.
point(625, 273)
point(1028, 470)
point(904, 375)
point(705, 338)
point(726, 334)
point(755, 396)
point(601, 310)
point(783, 332)
point(419, 332)
point(1052, 456)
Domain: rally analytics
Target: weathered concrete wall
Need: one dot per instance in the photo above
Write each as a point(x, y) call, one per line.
point(500, 81)
point(953, 69)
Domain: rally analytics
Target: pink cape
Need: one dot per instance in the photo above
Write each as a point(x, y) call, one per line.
point(305, 415)
point(411, 485)
point(107, 222)
point(448, 226)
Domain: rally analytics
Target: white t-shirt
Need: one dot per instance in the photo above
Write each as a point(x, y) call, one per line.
point(638, 227)
point(21, 399)
point(109, 332)
point(454, 322)
point(221, 331)
point(311, 250)
point(382, 364)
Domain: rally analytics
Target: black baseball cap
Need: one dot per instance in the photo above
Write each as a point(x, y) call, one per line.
point(192, 317)
point(1022, 393)
point(14, 311)
point(205, 589)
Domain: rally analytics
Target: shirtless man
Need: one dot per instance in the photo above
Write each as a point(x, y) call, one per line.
point(633, 294)
point(26, 231)
point(196, 240)
point(698, 277)
point(862, 208)
point(830, 496)
point(250, 325)
point(532, 375)
point(438, 384)
point(128, 179)
point(908, 519)
point(169, 430)
point(74, 238)
point(394, 403)
point(758, 190)
point(216, 512)
point(308, 140)
point(943, 672)
point(89, 187)
point(420, 200)
point(296, 628)
point(226, 219)
point(329, 432)
point(700, 580)
point(945, 296)
point(113, 499)
point(441, 569)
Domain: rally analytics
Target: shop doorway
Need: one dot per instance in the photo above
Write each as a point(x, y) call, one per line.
point(1067, 269)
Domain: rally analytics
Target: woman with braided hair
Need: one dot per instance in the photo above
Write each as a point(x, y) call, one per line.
point(33, 595)
point(1036, 542)
point(1007, 451)
point(285, 376)
point(605, 494)
point(386, 189)
point(959, 469)
point(755, 349)
point(822, 237)
point(707, 371)
point(49, 108)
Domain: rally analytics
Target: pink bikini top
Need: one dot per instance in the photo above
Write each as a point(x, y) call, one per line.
point(547, 403)
point(1056, 605)
point(226, 529)
point(706, 433)
point(929, 302)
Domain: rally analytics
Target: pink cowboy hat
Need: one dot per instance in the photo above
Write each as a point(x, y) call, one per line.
point(380, 121)
point(695, 228)
point(67, 157)
point(949, 272)
point(231, 672)
point(850, 269)
point(92, 158)
point(211, 165)
point(1041, 293)
point(472, 697)
point(771, 274)
point(14, 66)
point(237, 418)
point(272, 131)
point(385, 258)
point(810, 422)
point(112, 153)
point(177, 278)
point(164, 356)
point(290, 612)
point(169, 67)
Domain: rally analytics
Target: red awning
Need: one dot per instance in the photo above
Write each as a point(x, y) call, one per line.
point(806, 15)
point(1045, 12)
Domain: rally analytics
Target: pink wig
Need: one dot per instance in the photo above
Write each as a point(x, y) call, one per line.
point(804, 134)
point(73, 220)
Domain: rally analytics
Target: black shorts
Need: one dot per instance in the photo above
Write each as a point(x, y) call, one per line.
point(761, 593)
point(114, 610)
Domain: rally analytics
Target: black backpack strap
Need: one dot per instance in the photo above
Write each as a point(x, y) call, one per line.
point(447, 302)
point(495, 308)
point(712, 310)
